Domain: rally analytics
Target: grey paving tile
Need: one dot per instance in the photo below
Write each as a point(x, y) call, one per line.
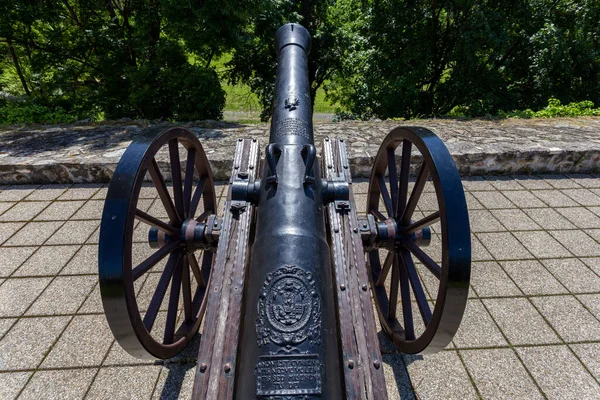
point(360, 186)
point(47, 192)
point(117, 356)
point(472, 202)
point(5, 206)
point(591, 302)
point(524, 199)
point(504, 246)
point(24, 211)
point(532, 181)
point(473, 183)
point(176, 381)
point(593, 263)
point(594, 233)
point(84, 262)
point(515, 220)
point(489, 280)
point(581, 217)
point(484, 221)
point(498, 374)
point(554, 198)
point(561, 182)
point(532, 278)
point(583, 196)
point(570, 381)
point(47, 260)
point(94, 238)
point(63, 296)
point(11, 384)
point(570, 319)
point(585, 180)
point(16, 192)
point(127, 383)
point(26, 344)
point(541, 244)
point(578, 243)
point(574, 274)
point(441, 375)
point(59, 211)
point(491, 200)
point(74, 232)
point(428, 202)
point(84, 343)
point(93, 304)
point(5, 325)
point(595, 210)
point(477, 328)
point(396, 378)
point(503, 183)
point(34, 233)
point(16, 295)
point(59, 384)
point(548, 218)
point(91, 210)
point(520, 321)
point(7, 229)
point(12, 257)
point(80, 191)
point(589, 355)
point(101, 193)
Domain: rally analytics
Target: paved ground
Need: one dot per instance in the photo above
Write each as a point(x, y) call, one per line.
point(531, 330)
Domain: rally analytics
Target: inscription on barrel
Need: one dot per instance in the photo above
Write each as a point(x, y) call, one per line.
point(292, 126)
point(288, 375)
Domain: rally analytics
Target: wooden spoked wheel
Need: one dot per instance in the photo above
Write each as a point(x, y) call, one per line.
point(420, 269)
point(153, 278)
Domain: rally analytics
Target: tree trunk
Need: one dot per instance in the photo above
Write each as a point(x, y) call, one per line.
point(15, 59)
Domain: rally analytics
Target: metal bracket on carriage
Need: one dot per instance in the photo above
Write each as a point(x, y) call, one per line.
point(386, 234)
point(337, 190)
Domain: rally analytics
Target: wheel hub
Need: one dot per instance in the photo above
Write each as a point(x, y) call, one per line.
point(192, 234)
point(391, 235)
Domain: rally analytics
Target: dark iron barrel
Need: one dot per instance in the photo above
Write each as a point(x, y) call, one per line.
point(288, 343)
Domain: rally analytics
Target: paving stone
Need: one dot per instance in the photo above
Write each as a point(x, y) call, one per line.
point(474, 183)
point(59, 384)
point(532, 182)
point(491, 200)
point(176, 381)
point(127, 383)
point(11, 384)
point(26, 344)
point(477, 328)
point(74, 232)
point(7, 229)
point(94, 238)
point(561, 182)
point(484, 221)
point(570, 319)
point(498, 374)
point(93, 304)
point(16, 192)
point(428, 202)
point(504, 183)
point(532, 278)
point(34, 233)
point(548, 218)
point(593, 263)
point(472, 202)
point(24, 211)
point(84, 262)
point(489, 280)
point(581, 217)
point(12, 257)
point(59, 211)
point(47, 260)
point(578, 243)
point(574, 274)
point(504, 246)
point(84, 343)
point(5, 325)
point(594, 233)
point(117, 356)
point(554, 198)
point(569, 381)
point(47, 192)
point(585, 180)
point(441, 375)
point(589, 355)
point(583, 196)
point(360, 186)
point(591, 302)
point(520, 321)
point(63, 296)
point(524, 199)
point(91, 210)
point(81, 191)
point(541, 244)
point(16, 295)
point(515, 220)
point(5, 206)
point(595, 210)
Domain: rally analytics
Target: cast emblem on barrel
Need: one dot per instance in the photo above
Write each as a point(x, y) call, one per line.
point(289, 309)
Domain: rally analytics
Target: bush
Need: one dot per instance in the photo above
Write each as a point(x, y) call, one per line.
point(556, 109)
point(16, 112)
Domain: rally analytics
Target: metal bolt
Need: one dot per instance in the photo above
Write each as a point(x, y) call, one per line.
point(336, 230)
point(351, 364)
point(254, 140)
point(376, 364)
point(355, 230)
point(343, 287)
point(364, 287)
point(227, 368)
point(342, 140)
point(203, 367)
point(330, 166)
point(364, 224)
point(345, 167)
point(236, 167)
point(251, 167)
point(327, 139)
point(240, 139)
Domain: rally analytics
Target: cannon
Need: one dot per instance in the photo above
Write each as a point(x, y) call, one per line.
point(282, 282)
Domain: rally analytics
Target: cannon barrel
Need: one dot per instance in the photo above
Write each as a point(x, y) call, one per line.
point(288, 339)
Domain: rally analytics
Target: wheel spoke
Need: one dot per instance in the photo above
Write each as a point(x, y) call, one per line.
point(155, 222)
point(393, 288)
point(422, 177)
point(393, 179)
point(196, 270)
point(431, 265)
point(378, 214)
point(416, 285)
point(173, 303)
point(422, 223)
point(196, 197)
point(151, 261)
point(186, 289)
point(386, 269)
point(189, 180)
point(407, 314)
point(385, 195)
point(176, 176)
point(163, 193)
point(161, 290)
point(202, 217)
point(404, 172)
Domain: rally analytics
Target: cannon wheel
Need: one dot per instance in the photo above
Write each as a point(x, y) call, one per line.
point(173, 265)
point(432, 287)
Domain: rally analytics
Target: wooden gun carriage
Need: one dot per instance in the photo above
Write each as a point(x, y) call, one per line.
point(282, 283)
